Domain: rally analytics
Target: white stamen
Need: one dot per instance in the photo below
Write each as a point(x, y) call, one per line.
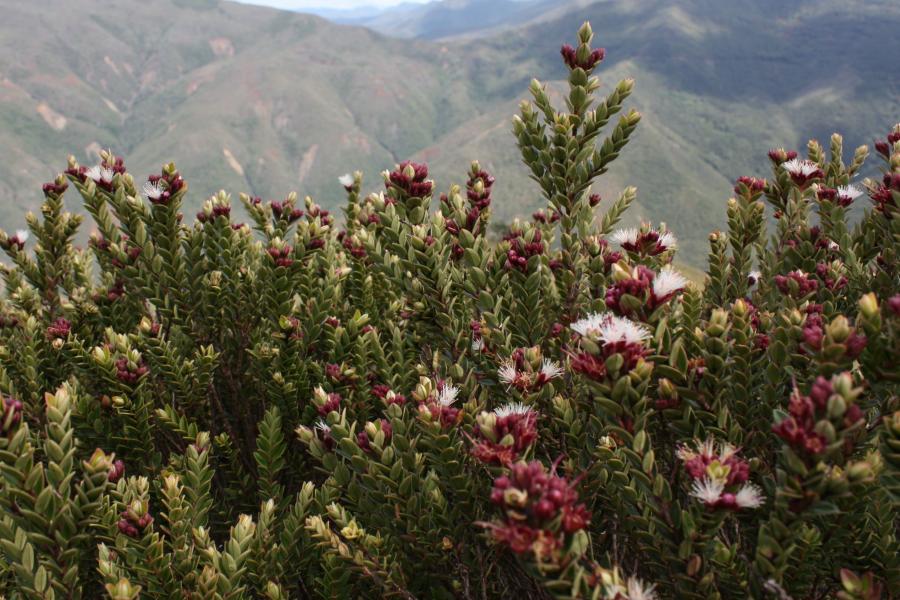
point(153, 191)
point(100, 173)
point(589, 326)
point(346, 180)
point(507, 372)
point(513, 408)
point(708, 490)
point(668, 281)
point(749, 496)
point(797, 166)
point(638, 591)
point(619, 329)
point(624, 236)
point(550, 369)
point(668, 240)
point(447, 395)
point(850, 192)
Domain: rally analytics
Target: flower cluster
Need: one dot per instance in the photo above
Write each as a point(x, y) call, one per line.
point(130, 369)
point(213, 209)
point(586, 60)
point(135, 519)
point(883, 194)
point(325, 402)
point(638, 291)
point(388, 396)
point(504, 435)
point(101, 462)
point(796, 284)
point(540, 509)
point(159, 189)
point(527, 371)
point(885, 147)
point(522, 246)
point(281, 253)
point(409, 179)
point(754, 185)
point(60, 328)
point(819, 421)
point(780, 156)
point(15, 241)
point(719, 476)
point(836, 341)
point(379, 432)
point(103, 174)
point(608, 336)
point(436, 402)
point(842, 195)
point(802, 172)
point(11, 416)
point(645, 241)
point(285, 210)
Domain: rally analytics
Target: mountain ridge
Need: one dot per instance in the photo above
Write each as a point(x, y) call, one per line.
point(259, 100)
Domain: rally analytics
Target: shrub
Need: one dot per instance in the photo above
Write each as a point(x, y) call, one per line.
point(406, 408)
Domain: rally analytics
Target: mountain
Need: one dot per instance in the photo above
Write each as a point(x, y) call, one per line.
point(259, 100)
point(446, 18)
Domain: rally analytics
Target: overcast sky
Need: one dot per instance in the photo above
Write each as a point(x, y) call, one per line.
point(295, 4)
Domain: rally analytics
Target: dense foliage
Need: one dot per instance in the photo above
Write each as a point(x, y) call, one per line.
point(407, 408)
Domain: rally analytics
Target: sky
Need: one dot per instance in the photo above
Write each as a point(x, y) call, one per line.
point(296, 4)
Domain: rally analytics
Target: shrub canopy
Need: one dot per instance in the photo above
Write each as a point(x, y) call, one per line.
point(408, 408)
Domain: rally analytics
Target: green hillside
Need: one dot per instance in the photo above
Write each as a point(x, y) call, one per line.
point(258, 100)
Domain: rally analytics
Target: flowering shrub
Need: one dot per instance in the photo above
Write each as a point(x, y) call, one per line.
point(395, 405)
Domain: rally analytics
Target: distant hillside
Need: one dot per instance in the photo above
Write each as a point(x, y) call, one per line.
point(258, 100)
point(446, 18)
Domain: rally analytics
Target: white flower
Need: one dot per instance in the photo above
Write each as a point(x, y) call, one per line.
point(638, 591)
point(447, 395)
point(619, 329)
point(322, 426)
point(833, 246)
point(478, 345)
point(550, 369)
point(708, 490)
point(513, 408)
point(668, 281)
point(749, 496)
point(100, 173)
point(507, 372)
point(589, 326)
point(346, 180)
point(797, 166)
point(153, 191)
point(668, 240)
point(624, 236)
point(22, 235)
point(850, 192)
point(754, 277)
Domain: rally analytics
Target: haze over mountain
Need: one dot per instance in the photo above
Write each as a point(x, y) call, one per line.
point(442, 18)
point(255, 99)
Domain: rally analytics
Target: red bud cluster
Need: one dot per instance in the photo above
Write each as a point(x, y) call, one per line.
point(504, 435)
point(818, 420)
point(130, 372)
point(540, 509)
point(570, 57)
point(12, 415)
point(410, 179)
point(60, 328)
point(796, 284)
